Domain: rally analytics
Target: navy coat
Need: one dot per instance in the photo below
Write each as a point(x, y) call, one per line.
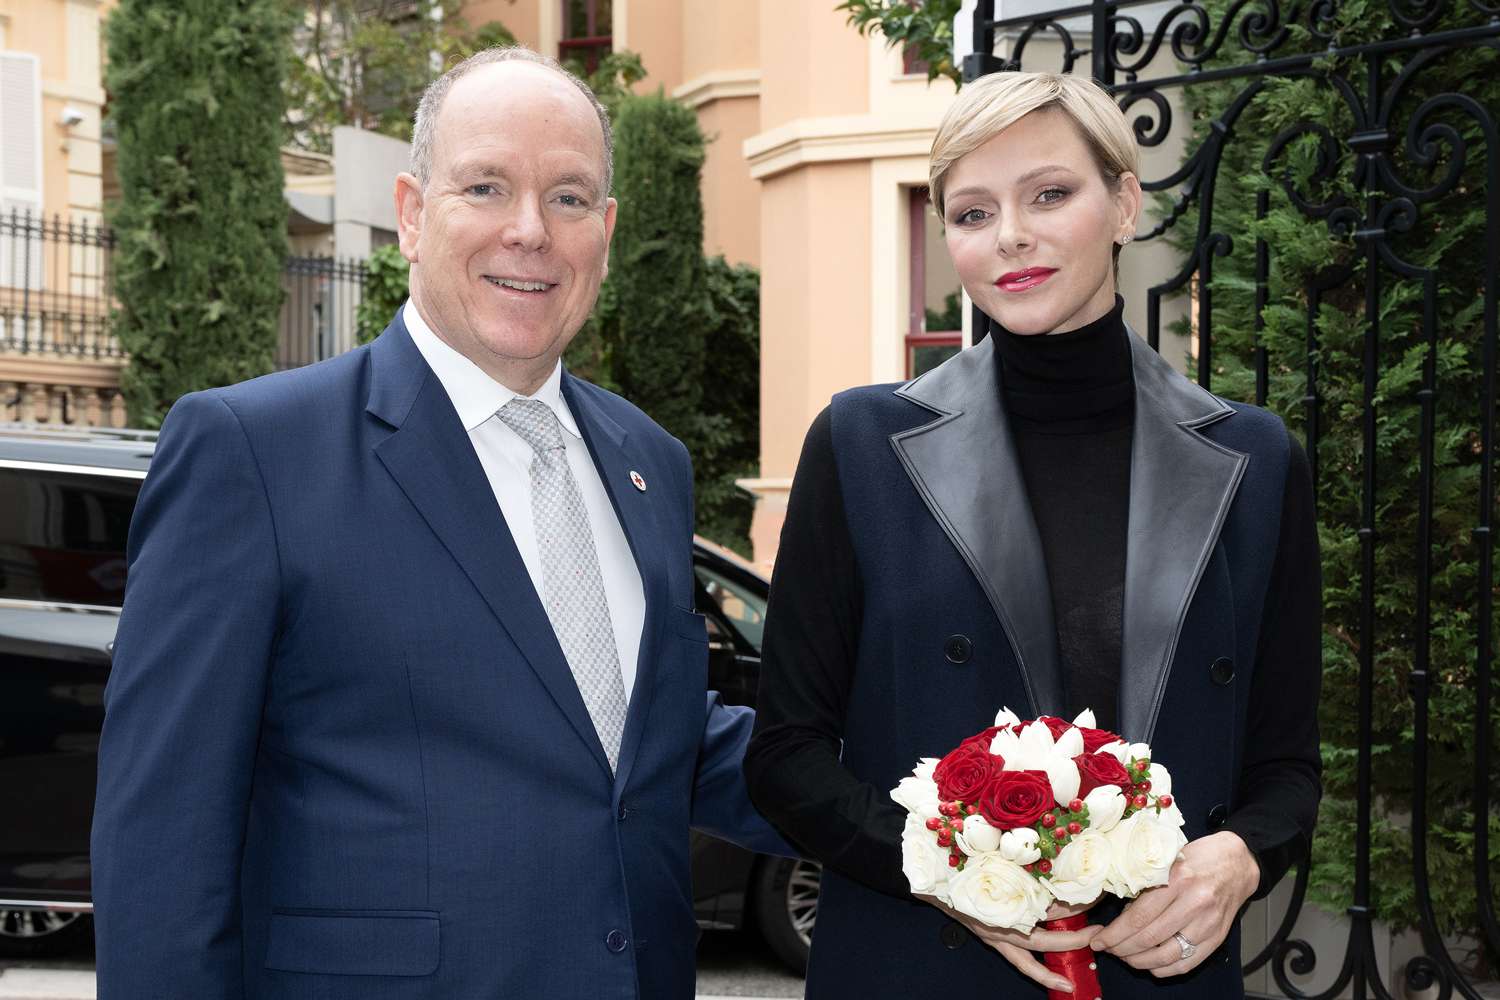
point(946, 545)
point(343, 756)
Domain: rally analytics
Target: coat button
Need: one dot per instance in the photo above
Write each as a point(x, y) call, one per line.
point(953, 936)
point(1222, 671)
point(623, 811)
point(615, 941)
point(958, 649)
point(1217, 816)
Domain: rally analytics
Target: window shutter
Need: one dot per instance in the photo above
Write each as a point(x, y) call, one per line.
point(20, 169)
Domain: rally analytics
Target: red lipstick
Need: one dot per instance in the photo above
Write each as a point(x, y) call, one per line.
point(1021, 281)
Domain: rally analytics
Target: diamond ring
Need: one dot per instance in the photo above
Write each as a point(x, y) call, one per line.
point(1188, 948)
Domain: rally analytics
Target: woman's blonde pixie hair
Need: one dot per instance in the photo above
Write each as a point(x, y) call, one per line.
point(993, 103)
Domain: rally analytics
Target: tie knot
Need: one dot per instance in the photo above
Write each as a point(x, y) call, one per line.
point(535, 422)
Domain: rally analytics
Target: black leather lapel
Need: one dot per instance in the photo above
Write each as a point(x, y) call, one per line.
point(1181, 488)
point(965, 467)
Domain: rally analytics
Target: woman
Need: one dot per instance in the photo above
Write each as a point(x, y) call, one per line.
point(1052, 520)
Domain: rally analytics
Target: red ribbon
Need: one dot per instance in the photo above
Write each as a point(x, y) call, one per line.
point(1079, 966)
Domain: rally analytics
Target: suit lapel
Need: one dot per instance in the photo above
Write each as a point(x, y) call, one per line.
point(965, 467)
point(1181, 488)
point(431, 458)
point(616, 456)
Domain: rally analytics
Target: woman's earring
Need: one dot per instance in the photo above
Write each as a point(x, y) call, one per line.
point(1126, 239)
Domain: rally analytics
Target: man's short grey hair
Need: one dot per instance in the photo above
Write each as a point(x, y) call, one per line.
point(424, 131)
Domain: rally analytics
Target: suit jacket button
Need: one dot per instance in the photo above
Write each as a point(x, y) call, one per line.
point(615, 941)
point(953, 935)
point(623, 811)
point(1217, 816)
point(958, 649)
point(1222, 671)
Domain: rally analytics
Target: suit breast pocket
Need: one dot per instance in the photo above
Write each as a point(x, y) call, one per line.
point(354, 942)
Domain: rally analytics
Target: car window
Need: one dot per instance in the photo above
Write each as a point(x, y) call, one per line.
point(743, 608)
point(62, 536)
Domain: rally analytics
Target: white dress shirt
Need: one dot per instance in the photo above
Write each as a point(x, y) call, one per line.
point(507, 463)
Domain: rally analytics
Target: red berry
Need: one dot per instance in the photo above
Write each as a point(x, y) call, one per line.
point(1144, 786)
point(1075, 806)
point(1049, 820)
point(1075, 828)
point(944, 838)
point(1044, 865)
point(1165, 801)
point(1139, 801)
point(1143, 766)
point(958, 824)
point(934, 823)
point(949, 808)
point(971, 809)
point(1060, 836)
point(953, 861)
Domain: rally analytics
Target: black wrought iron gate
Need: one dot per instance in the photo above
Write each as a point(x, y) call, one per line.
point(1388, 131)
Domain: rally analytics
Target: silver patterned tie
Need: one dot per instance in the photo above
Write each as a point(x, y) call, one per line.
point(572, 584)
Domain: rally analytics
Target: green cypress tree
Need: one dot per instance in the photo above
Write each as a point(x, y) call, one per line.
point(1304, 253)
point(674, 333)
point(196, 98)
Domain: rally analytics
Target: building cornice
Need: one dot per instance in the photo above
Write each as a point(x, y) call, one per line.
point(829, 140)
point(718, 86)
point(103, 373)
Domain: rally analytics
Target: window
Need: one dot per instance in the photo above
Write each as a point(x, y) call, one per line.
point(934, 331)
point(586, 33)
point(62, 536)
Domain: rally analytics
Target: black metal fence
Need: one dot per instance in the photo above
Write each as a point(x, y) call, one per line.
point(1400, 156)
point(57, 294)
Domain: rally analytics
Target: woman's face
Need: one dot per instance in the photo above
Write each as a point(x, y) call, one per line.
point(1031, 226)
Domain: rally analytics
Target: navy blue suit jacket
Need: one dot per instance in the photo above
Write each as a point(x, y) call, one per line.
point(343, 755)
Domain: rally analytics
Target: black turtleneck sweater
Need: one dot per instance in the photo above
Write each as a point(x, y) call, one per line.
point(1070, 401)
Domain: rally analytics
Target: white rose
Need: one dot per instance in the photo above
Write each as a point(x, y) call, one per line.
point(1081, 867)
point(918, 796)
point(1106, 804)
point(1005, 717)
point(1139, 751)
point(923, 862)
point(925, 767)
point(1117, 749)
point(1142, 849)
point(1171, 815)
point(999, 893)
point(1020, 846)
point(1086, 719)
point(977, 836)
point(1161, 779)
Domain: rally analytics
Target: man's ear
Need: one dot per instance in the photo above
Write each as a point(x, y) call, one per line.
point(610, 207)
point(408, 214)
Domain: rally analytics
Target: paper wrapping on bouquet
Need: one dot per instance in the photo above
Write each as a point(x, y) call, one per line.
point(1079, 966)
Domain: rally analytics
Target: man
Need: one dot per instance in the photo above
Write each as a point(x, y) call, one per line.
point(408, 701)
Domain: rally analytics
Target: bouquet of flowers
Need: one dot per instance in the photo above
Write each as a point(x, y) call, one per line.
point(1027, 812)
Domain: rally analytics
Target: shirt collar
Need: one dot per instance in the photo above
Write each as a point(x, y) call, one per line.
point(475, 395)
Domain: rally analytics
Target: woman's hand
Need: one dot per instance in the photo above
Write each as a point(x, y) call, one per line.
point(1017, 947)
point(1211, 880)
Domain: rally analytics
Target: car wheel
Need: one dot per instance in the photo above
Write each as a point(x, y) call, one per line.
point(42, 933)
point(786, 907)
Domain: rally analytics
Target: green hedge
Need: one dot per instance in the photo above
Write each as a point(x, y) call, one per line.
point(196, 99)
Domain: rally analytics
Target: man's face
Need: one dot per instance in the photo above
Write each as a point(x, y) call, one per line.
point(510, 238)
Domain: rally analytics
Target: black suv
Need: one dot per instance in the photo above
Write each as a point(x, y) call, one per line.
point(66, 497)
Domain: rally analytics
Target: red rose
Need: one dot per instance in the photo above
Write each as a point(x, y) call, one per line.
point(985, 738)
point(1093, 739)
point(1098, 769)
point(964, 773)
point(1015, 799)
